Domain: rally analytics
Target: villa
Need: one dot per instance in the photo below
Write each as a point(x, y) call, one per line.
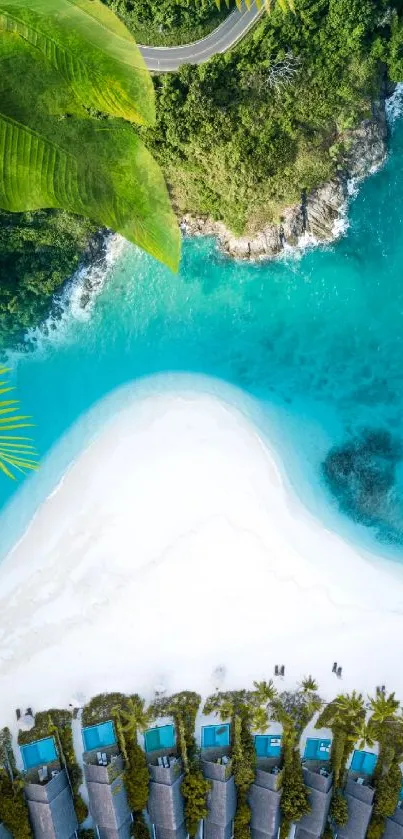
point(103, 772)
point(165, 802)
point(4, 834)
point(217, 768)
point(318, 781)
point(360, 796)
point(48, 792)
point(264, 801)
point(394, 825)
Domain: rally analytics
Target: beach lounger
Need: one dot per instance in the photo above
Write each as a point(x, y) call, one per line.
point(99, 758)
point(43, 773)
point(104, 759)
point(160, 763)
point(360, 780)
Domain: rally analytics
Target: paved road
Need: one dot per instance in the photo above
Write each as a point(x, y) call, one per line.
point(231, 30)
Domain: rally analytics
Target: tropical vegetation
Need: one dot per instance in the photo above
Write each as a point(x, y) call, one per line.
point(38, 253)
point(239, 138)
point(17, 454)
point(245, 135)
point(170, 22)
point(13, 808)
point(62, 64)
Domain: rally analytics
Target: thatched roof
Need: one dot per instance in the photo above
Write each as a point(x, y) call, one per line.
point(165, 804)
point(221, 802)
point(122, 833)
point(315, 780)
point(303, 834)
point(359, 799)
point(215, 831)
point(394, 825)
point(108, 804)
point(163, 833)
point(51, 809)
point(265, 807)
point(314, 822)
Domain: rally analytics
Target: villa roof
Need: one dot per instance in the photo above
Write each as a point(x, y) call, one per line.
point(123, 832)
point(163, 833)
point(265, 807)
point(393, 830)
point(4, 833)
point(314, 822)
point(165, 804)
point(359, 800)
point(221, 802)
point(108, 804)
point(51, 809)
point(216, 831)
point(394, 825)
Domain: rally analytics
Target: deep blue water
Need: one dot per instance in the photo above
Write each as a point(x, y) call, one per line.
point(317, 339)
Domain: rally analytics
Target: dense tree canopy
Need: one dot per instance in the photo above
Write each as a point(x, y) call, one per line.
point(240, 137)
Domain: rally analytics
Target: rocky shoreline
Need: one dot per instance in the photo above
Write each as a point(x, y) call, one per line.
point(318, 214)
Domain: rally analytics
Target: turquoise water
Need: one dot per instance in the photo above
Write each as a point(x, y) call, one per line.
point(363, 762)
point(215, 736)
point(42, 751)
point(99, 736)
point(316, 339)
point(161, 737)
point(316, 749)
point(268, 745)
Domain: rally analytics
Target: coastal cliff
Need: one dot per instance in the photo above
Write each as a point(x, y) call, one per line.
point(317, 213)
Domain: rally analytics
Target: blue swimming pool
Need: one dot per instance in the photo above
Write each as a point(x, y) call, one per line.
point(316, 749)
point(364, 762)
point(215, 736)
point(99, 736)
point(39, 752)
point(268, 745)
point(160, 737)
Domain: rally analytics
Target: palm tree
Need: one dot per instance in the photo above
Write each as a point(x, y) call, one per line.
point(345, 716)
point(365, 736)
point(134, 717)
point(16, 452)
point(383, 707)
point(309, 685)
point(265, 691)
point(62, 65)
point(386, 726)
point(350, 704)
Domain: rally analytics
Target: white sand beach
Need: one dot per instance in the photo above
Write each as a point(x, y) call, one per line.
point(173, 547)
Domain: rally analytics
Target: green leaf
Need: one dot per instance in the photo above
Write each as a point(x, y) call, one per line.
point(92, 51)
point(96, 168)
point(16, 452)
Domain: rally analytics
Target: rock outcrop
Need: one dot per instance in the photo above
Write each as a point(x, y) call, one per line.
point(318, 212)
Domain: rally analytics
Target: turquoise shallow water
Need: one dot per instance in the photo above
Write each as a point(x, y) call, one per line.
point(317, 339)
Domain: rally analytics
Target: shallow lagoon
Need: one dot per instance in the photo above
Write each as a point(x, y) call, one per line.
point(316, 338)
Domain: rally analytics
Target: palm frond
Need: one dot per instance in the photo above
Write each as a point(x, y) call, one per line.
point(17, 454)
